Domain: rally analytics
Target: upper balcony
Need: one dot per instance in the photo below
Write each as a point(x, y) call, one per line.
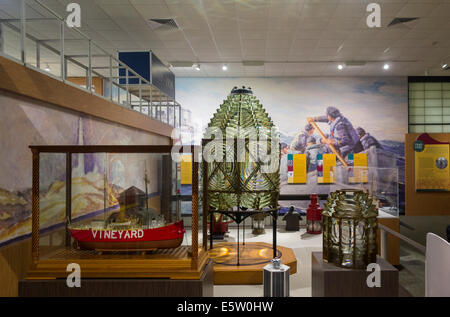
point(37, 37)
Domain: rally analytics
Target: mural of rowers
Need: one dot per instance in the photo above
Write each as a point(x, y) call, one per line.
point(342, 137)
point(298, 144)
point(366, 139)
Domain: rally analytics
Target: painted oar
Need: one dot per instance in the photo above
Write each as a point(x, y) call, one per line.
point(339, 156)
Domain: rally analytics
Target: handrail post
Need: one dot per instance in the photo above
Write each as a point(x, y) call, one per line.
point(22, 31)
point(89, 66)
point(61, 38)
point(110, 79)
point(383, 243)
point(126, 87)
point(140, 96)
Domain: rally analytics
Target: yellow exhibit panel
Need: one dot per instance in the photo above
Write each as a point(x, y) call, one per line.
point(325, 167)
point(432, 171)
point(186, 169)
point(359, 174)
point(297, 168)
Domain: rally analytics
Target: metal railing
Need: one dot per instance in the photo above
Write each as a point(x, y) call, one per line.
point(384, 231)
point(39, 38)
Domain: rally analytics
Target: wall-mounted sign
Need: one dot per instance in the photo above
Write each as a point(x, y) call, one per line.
point(431, 165)
point(296, 168)
point(325, 164)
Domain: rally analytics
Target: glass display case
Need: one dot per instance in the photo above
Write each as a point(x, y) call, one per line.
point(114, 210)
point(380, 183)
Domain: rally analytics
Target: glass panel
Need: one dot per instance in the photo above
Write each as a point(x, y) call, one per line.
point(433, 111)
point(433, 94)
point(416, 86)
point(416, 119)
point(416, 128)
point(416, 94)
point(446, 128)
point(433, 86)
point(433, 119)
point(416, 103)
point(433, 128)
point(11, 39)
point(433, 103)
point(52, 204)
point(416, 111)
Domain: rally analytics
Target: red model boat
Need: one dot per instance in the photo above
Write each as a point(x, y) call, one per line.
point(166, 237)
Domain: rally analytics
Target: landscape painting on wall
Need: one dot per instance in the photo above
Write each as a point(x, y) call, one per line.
point(25, 123)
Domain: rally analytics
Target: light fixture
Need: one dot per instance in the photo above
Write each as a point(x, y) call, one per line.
point(47, 68)
point(340, 66)
point(444, 65)
point(197, 67)
point(386, 66)
point(224, 67)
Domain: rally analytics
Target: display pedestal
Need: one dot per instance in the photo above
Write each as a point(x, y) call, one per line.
point(329, 280)
point(127, 287)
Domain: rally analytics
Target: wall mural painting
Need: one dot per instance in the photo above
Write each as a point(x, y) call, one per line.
point(359, 114)
point(24, 123)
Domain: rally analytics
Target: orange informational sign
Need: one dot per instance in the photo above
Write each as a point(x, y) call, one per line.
point(432, 172)
point(186, 169)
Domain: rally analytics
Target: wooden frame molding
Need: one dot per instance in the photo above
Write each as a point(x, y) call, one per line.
point(19, 79)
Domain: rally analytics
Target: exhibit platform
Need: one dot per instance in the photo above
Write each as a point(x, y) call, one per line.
point(173, 264)
point(329, 280)
point(123, 287)
point(253, 257)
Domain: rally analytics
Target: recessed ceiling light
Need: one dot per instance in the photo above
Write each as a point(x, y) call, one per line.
point(386, 66)
point(340, 66)
point(197, 66)
point(224, 67)
point(444, 65)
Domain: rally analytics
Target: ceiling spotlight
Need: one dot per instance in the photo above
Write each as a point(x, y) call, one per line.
point(197, 66)
point(444, 65)
point(340, 66)
point(386, 66)
point(224, 67)
point(47, 68)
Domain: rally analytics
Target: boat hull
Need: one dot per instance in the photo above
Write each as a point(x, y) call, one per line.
point(166, 237)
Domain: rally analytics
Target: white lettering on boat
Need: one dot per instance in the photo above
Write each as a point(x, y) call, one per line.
point(118, 234)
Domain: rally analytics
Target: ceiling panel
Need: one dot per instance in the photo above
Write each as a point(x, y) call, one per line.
point(322, 32)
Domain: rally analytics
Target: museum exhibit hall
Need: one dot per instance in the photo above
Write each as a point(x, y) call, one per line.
point(226, 155)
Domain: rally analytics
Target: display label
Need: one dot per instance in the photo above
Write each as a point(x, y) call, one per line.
point(325, 164)
point(186, 169)
point(431, 165)
point(297, 168)
point(358, 172)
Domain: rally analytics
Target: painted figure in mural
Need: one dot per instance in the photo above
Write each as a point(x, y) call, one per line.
point(299, 142)
point(312, 150)
point(366, 139)
point(342, 134)
point(283, 162)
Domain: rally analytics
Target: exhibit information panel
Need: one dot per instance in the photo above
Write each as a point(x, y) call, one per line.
point(325, 163)
point(359, 173)
point(297, 168)
point(431, 164)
